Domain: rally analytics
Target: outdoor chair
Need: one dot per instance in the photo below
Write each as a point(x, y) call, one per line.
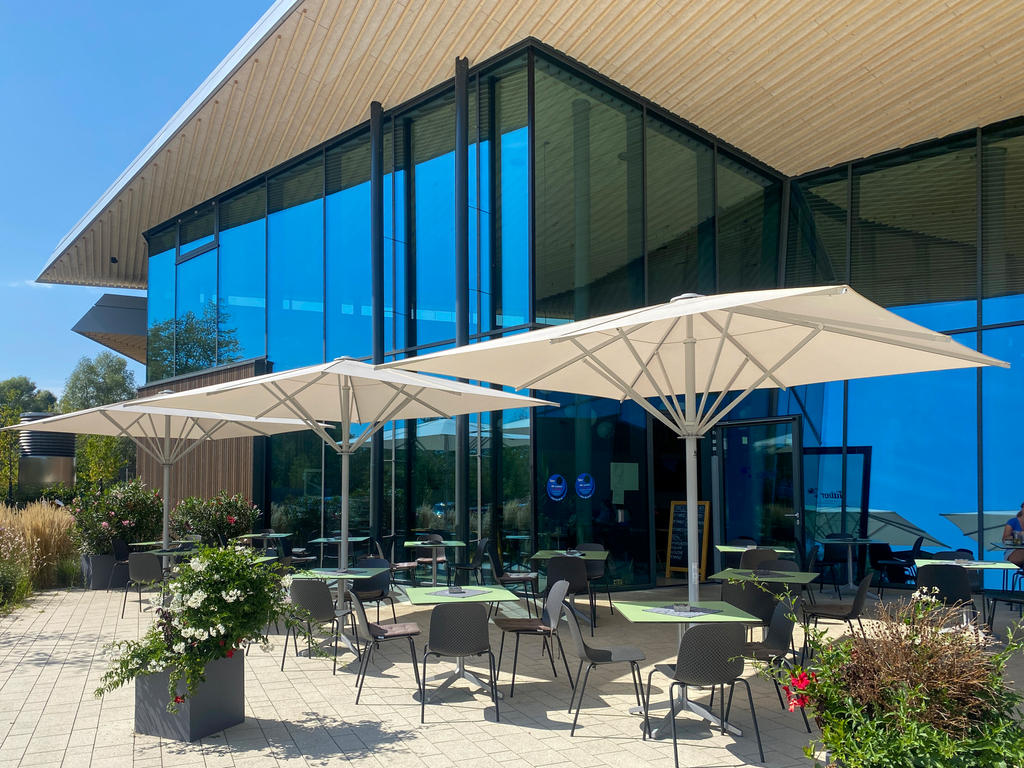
point(596, 571)
point(833, 558)
point(544, 627)
point(912, 554)
point(953, 584)
point(377, 588)
point(841, 611)
point(890, 569)
point(381, 633)
point(777, 650)
point(709, 655)
point(407, 567)
point(974, 577)
point(476, 565)
point(121, 554)
point(314, 596)
point(753, 558)
point(529, 581)
point(144, 569)
point(732, 559)
point(459, 630)
point(595, 657)
point(757, 599)
point(430, 555)
point(574, 571)
point(296, 556)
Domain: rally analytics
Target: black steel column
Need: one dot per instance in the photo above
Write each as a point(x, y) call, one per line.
point(462, 287)
point(377, 291)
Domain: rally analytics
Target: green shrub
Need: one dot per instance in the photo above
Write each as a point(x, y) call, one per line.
point(68, 572)
point(45, 531)
point(223, 515)
point(128, 511)
point(15, 583)
point(58, 493)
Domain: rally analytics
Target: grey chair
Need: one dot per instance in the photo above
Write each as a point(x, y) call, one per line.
point(375, 589)
point(574, 571)
point(459, 630)
point(709, 655)
point(381, 633)
point(753, 558)
point(408, 567)
point(595, 657)
point(842, 611)
point(431, 555)
point(528, 581)
point(475, 566)
point(144, 569)
point(314, 596)
point(953, 583)
point(121, 554)
point(544, 627)
point(596, 572)
point(757, 599)
point(777, 648)
point(732, 559)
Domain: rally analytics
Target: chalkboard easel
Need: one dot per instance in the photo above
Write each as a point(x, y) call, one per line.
point(676, 549)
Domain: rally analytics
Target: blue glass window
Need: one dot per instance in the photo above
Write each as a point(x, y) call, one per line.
point(195, 333)
point(1002, 212)
point(295, 258)
point(196, 230)
point(396, 305)
point(1002, 422)
point(242, 299)
point(160, 306)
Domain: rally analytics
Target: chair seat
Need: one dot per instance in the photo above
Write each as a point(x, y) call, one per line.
point(430, 560)
point(614, 654)
point(829, 610)
point(758, 652)
point(379, 594)
point(389, 631)
point(520, 625)
point(517, 578)
point(406, 566)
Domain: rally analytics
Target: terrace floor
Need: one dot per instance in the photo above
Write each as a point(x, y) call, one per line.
point(51, 659)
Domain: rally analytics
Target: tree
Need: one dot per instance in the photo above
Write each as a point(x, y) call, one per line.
point(18, 395)
point(99, 381)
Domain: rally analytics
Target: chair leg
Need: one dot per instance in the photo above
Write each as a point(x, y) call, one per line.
point(423, 688)
point(672, 720)
point(647, 707)
point(364, 663)
point(494, 686)
point(565, 661)
point(394, 616)
point(551, 655)
point(515, 661)
point(124, 604)
point(728, 706)
point(415, 666)
point(337, 633)
point(753, 715)
point(634, 669)
point(608, 589)
point(138, 589)
point(778, 692)
point(284, 655)
point(572, 699)
point(579, 700)
point(501, 650)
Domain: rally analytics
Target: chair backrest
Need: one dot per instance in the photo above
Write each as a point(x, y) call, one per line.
point(780, 628)
point(376, 586)
point(756, 599)
point(753, 558)
point(497, 569)
point(710, 654)
point(121, 549)
point(144, 566)
point(430, 538)
point(879, 551)
point(572, 570)
point(915, 551)
point(482, 548)
point(732, 559)
point(378, 545)
point(459, 629)
point(314, 596)
point(553, 603)
point(788, 566)
point(953, 582)
point(578, 647)
point(836, 552)
point(222, 540)
point(284, 547)
point(595, 568)
point(862, 595)
point(365, 628)
point(741, 541)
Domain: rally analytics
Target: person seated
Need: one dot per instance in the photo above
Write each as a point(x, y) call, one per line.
point(1013, 531)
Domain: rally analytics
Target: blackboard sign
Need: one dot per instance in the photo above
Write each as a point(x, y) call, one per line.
point(675, 554)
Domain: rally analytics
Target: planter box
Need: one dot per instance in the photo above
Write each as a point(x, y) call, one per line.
point(96, 572)
point(218, 703)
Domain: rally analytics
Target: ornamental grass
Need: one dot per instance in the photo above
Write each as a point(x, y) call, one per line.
point(42, 532)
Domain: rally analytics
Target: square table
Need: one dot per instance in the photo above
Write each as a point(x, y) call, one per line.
point(771, 577)
point(427, 596)
point(733, 549)
point(435, 545)
point(159, 543)
point(849, 544)
point(974, 565)
point(638, 612)
point(336, 540)
point(547, 554)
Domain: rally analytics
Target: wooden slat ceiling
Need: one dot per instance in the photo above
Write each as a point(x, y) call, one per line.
point(799, 84)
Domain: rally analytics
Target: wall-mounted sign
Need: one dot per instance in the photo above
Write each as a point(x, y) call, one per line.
point(557, 487)
point(584, 485)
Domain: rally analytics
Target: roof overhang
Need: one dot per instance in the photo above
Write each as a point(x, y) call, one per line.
point(799, 84)
point(118, 322)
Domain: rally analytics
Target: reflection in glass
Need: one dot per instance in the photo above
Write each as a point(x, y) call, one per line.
point(818, 223)
point(195, 331)
point(1002, 210)
point(242, 319)
point(1002, 420)
point(748, 227)
point(433, 474)
point(396, 309)
point(196, 230)
point(296, 474)
point(160, 311)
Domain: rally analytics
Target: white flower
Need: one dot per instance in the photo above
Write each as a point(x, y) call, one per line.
point(179, 647)
point(220, 629)
point(196, 599)
point(198, 564)
point(286, 580)
point(231, 595)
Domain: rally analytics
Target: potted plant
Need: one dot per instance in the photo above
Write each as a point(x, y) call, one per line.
point(917, 687)
point(188, 668)
point(128, 511)
point(223, 515)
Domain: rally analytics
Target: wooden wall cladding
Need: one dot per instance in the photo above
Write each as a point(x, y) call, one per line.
point(216, 464)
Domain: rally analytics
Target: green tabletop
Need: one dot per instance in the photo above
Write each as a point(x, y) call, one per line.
point(171, 552)
point(637, 613)
point(158, 543)
point(731, 549)
point(352, 574)
point(851, 542)
point(774, 577)
point(265, 559)
point(263, 536)
point(338, 540)
point(972, 565)
point(547, 554)
point(1005, 546)
point(434, 544)
point(426, 596)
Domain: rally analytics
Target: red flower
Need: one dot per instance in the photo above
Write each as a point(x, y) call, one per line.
point(801, 681)
point(178, 699)
point(231, 652)
point(221, 642)
point(798, 701)
point(232, 519)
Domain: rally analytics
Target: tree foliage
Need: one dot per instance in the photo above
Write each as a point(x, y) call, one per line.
point(192, 342)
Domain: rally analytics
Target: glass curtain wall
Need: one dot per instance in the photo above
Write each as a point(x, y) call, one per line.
point(160, 305)
point(242, 276)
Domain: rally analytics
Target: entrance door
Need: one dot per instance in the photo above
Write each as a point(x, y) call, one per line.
point(757, 481)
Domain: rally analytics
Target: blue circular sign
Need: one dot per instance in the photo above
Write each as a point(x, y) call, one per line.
point(584, 485)
point(557, 487)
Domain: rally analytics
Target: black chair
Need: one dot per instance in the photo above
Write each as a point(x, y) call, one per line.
point(295, 555)
point(777, 650)
point(407, 567)
point(529, 581)
point(834, 558)
point(375, 589)
point(314, 596)
point(974, 577)
point(144, 569)
point(709, 655)
point(596, 571)
point(595, 657)
point(952, 582)
point(753, 558)
point(732, 559)
point(574, 571)
point(381, 633)
point(476, 565)
point(121, 555)
point(757, 599)
point(912, 554)
point(459, 630)
point(544, 627)
point(432, 556)
point(842, 611)
point(891, 570)
point(222, 540)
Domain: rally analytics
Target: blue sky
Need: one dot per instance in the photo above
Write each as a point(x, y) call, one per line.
point(84, 86)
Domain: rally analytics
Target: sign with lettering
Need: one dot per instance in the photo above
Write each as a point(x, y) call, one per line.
point(557, 487)
point(676, 550)
point(584, 485)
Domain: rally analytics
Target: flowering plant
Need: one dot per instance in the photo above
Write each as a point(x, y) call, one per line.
point(219, 600)
point(223, 515)
point(917, 687)
point(128, 511)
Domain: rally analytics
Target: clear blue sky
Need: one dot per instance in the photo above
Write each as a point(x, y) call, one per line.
point(84, 87)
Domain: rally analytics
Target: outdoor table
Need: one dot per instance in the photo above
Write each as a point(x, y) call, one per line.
point(334, 575)
point(974, 565)
point(547, 554)
point(336, 539)
point(640, 612)
point(171, 553)
point(158, 543)
point(849, 544)
point(432, 596)
point(435, 545)
point(768, 577)
point(518, 538)
point(265, 559)
point(735, 550)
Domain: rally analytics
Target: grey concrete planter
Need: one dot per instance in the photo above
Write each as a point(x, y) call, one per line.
point(96, 572)
point(218, 703)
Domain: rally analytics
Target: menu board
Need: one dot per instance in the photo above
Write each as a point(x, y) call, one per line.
point(675, 555)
